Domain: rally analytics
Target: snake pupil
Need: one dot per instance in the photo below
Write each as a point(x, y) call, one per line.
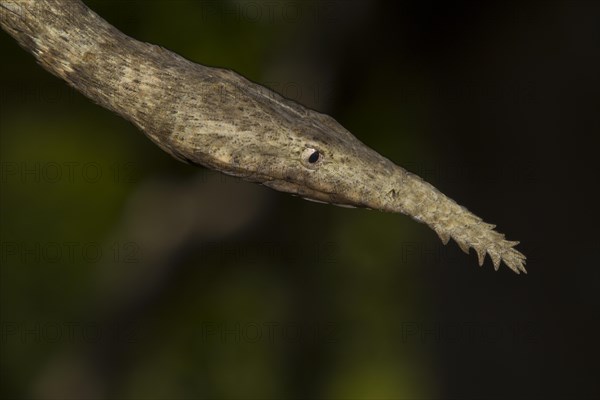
point(314, 157)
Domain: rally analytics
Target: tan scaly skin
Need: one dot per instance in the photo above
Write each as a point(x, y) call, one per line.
point(216, 118)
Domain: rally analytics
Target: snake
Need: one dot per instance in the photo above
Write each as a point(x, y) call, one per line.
point(215, 118)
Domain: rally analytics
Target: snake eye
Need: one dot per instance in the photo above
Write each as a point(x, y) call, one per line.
point(311, 157)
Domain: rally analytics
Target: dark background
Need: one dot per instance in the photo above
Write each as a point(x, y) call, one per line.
point(126, 274)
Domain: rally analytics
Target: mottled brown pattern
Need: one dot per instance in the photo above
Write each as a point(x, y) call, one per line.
point(216, 118)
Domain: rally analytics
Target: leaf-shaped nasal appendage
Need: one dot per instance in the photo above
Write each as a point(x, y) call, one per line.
point(487, 242)
point(502, 251)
